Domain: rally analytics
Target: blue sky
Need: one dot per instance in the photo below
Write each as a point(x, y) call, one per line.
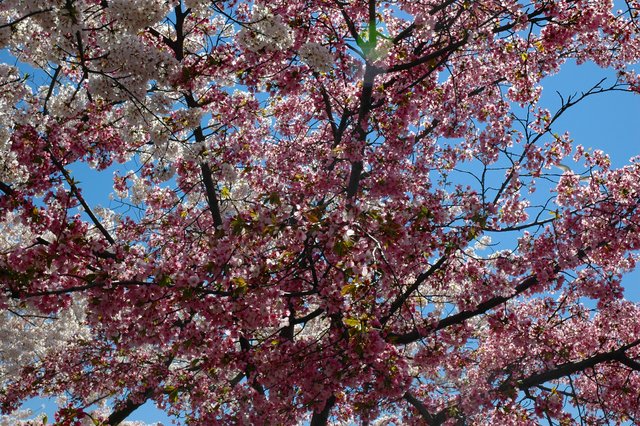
point(607, 121)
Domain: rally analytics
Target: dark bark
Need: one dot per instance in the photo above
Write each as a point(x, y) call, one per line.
point(322, 417)
point(128, 407)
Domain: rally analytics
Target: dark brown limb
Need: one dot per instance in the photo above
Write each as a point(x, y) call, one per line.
point(321, 418)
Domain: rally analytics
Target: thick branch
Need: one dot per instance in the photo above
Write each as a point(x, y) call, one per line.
point(631, 363)
point(409, 30)
point(431, 56)
point(420, 407)
point(76, 192)
point(78, 288)
point(209, 185)
point(129, 407)
point(361, 127)
point(329, 111)
point(322, 417)
point(350, 25)
point(26, 16)
point(212, 199)
point(250, 368)
point(354, 178)
point(54, 80)
point(431, 419)
point(462, 316)
point(569, 368)
point(311, 315)
point(397, 304)
point(6, 188)
point(532, 17)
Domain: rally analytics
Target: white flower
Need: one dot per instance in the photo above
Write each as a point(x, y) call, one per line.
point(163, 171)
point(265, 32)
point(317, 57)
point(134, 16)
point(27, 338)
point(138, 189)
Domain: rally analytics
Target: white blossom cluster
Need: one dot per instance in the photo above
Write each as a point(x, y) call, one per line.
point(51, 34)
point(11, 172)
point(27, 337)
point(112, 89)
point(196, 4)
point(314, 327)
point(28, 418)
point(236, 197)
point(265, 32)
point(47, 34)
point(162, 155)
point(108, 218)
point(22, 418)
point(66, 102)
point(131, 63)
point(134, 15)
point(162, 150)
point(31, 6)
point(163, 171)
point(316, 56)
point(139, 190)
point(222, 25)
point(188, 119)
point(13, 233)
point(128, 54)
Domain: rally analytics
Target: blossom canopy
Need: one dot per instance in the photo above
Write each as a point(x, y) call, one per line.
point(320, 211)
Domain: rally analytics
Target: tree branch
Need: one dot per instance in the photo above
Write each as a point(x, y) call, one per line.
point(311, 315)
point(212, 199)
point(462, 316)
point(118, 416)
point(397, 304)
point(432, 420)
point(431, 56)
point(361, 127)
point(54, 80)
point(420, 407)
point(321, 418)
point(76, 192)
point(573, 367)
point(6, 189)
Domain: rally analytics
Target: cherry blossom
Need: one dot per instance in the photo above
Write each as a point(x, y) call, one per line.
point(318, 212)
point(318, 57)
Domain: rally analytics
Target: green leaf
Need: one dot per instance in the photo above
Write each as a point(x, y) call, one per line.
point(225, 193)
point(274, 199)
point(351, 322)
point(165, 281)
point(424, 213)
point(342, 247)
point(348, 289)
point(237, 225)
point(173, 396)
point(241, 285)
